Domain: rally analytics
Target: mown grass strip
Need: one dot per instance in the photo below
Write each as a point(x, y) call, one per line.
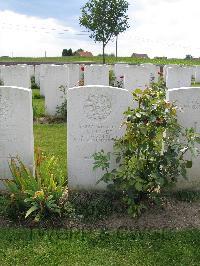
point(98, 59)
point(52, 139)
point(60, 247)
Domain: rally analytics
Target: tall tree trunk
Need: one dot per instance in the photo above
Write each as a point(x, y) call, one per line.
point(103, 53)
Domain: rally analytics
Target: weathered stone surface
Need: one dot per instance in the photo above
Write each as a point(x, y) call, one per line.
point(42, 71)
point(178, 77)
point(31, 70)
point(96, 75)
point(16, 127)
point(197, 74)
point(16, 75)
point(73, 75)
point(165, 69)
point(119, 69)
point(95, 114)
point(37, 75)
point(154, 70)
point(136, 77)
point(1, 74)
point(188, 101)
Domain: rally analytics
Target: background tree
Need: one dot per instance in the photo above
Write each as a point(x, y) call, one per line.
point(70, 53)
point(77, 51)
point(66, 52)
point(189, 57)
point(104, 19)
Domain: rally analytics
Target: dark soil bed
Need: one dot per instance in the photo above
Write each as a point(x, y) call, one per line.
point(173, 214)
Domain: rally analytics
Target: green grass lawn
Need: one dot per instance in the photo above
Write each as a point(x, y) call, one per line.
point(38, 108)
point(38, 104)
point(196, 85)
point(37, 247)
point(52, 139)
point(98, 59)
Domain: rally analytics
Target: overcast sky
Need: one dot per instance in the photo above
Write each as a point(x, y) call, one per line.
point(157, 27)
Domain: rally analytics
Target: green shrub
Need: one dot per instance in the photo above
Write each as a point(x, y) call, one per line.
point(33, 84)
point(115, 81)
point(151, 154)
point(40, 195)
point(61, 111)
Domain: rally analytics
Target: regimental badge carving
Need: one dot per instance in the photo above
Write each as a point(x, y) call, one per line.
point(97, 107)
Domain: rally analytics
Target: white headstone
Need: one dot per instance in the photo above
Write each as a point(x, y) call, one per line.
point(16, 127)
point(96, 75)
point(178, 77)
point(37, 75)
point(31, 70)
point(193, 71)
point(136, 77)
point(55, 77)
point(154, 70)
point(197, 74)
point(16, 75)
point(1, 74)
point(165, 69)
point(73, 75)
point(188, 101)
point(43, 70)
point(119, 69)
point(94, 116)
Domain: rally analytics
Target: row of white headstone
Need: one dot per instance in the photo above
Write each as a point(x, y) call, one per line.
point(20, 74)
point(91, 126)
point(51, 78)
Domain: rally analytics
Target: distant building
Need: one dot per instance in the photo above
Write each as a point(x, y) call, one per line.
point(160, 57)
point(84, 53)
point(140, 55)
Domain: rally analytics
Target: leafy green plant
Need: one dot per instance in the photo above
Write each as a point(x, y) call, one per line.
point(91, 206)
point(114, 81)
point(34, 85)
point(40, 194)
point(185, 195)
point(41, 203)
point(61, 111)
point(151, 154)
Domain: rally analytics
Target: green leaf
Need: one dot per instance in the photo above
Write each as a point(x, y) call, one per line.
point(138, 91)
point(189, 164)
point(28, 200)
point(138, 186)
point(197, 139)
point(118, 159)
point(184, 172)
point(32, 209)
point(138, 115)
